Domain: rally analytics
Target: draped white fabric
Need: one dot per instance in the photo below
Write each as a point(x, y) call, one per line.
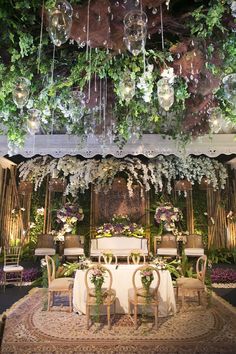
point(122, 281)
point(150, 145)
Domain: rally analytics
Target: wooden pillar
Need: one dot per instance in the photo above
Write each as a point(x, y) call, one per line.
point(217, 229)
point(189, 210)
point(231, 206)
point(52, 185)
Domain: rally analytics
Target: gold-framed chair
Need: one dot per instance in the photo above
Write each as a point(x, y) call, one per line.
point(167, 247)
point(73, 246)
point(107, 258)
point(12, 270)
point(194, 246)
point(139, 296)
point(135, 257)
point(186, 285)
point(108, 295)
point(57, 285)
point(45, 245)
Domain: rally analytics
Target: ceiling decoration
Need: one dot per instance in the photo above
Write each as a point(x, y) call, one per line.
point(111, 71)
point(150, 145)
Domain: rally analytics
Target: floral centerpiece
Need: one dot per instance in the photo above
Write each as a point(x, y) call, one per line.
point(69, 215)
point(166, 215)
point(174, 266)
point(121, 225)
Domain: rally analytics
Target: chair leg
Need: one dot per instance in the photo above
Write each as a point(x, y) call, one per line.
point(129, 308)
point(177, 293)
point(109, 316)
point(70, 301)
point(87, 316)
point(182, 296)
point(156, 315)
point(21, 277)
point(114, 307)
point(49, 300)
point(5, 280)
point(135, 316)
point(199, 297)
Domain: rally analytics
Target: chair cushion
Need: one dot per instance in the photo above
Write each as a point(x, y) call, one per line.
point(162, 251)
point(107, 296)
point(12, 268)
point(141, 298)
point(194, 251)
point(61, 284)
point(189, 283)
point(73, 251)
point(45, 251)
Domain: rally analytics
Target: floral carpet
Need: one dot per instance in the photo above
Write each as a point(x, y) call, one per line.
point(29, 329)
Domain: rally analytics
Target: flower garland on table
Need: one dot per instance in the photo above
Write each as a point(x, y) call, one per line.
point(81, 174)
point(166, 215)
point(174, 267)
point(120, 225)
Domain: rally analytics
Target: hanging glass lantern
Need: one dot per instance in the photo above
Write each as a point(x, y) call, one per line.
point(25, 187)
point(33, 122)
point(229, 83)
point(183, 185)
point(215, 119)
point(127, 87)
point(60, 22)
point(77, 106)
point(135, 31)
point(21, 91)
point(165, 94)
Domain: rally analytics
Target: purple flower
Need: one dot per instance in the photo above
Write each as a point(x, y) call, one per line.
point(223, 275)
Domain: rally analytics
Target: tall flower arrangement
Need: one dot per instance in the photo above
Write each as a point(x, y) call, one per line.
point(167, 215)
point(68, 216)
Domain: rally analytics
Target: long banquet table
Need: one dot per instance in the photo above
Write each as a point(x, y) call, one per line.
point(122, 281)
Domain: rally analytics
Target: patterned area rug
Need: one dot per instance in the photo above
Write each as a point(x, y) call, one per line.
point(195, 329)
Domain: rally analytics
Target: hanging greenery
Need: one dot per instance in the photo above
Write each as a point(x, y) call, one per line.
point(199, 63)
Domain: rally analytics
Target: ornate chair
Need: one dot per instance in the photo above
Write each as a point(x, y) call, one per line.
point(57, 285)
point(107, 257)
point(187, 285)
point(45, 245)
point(12, 271)
point(108, 295)
point(141, 296)
point(135, 257)
point(168, 246)
point(194, 246)
point(73, 245)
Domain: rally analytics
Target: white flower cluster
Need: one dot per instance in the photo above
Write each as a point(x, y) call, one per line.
point(80, 174)
point(146, 83)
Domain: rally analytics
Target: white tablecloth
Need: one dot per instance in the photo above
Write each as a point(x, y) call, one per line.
point(122, 281)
